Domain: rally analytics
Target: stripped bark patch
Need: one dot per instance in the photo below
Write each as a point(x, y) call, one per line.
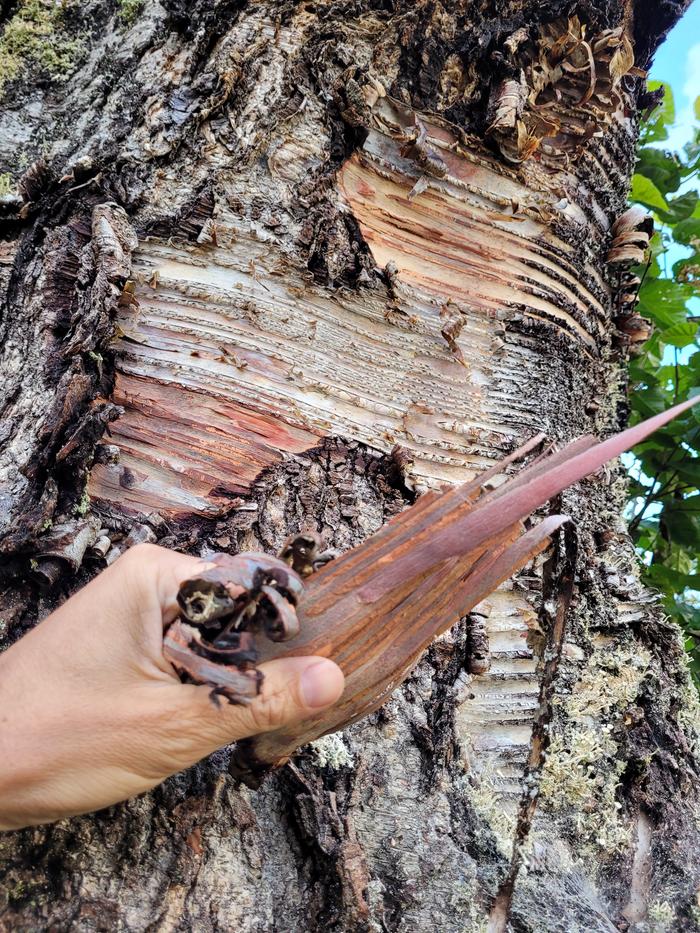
point(184, 452)
point(228, 358)
point(476, 234)
point(496, 708)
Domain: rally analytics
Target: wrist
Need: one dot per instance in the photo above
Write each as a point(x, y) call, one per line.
point(20, 771)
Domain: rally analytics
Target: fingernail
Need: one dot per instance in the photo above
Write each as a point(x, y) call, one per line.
point(321, 684)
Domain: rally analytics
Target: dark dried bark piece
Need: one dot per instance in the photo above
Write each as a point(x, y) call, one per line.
point(225, 608)
point(304, 553)
point(478, 659)
point(229, 679)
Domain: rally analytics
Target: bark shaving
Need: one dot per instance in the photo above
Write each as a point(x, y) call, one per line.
point(319, 231)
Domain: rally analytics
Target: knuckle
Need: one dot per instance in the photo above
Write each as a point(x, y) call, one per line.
point(268, 712)
point(198, 722)
point(201, 726)
point(140, 563)
point(131, 559)
point(142, 552)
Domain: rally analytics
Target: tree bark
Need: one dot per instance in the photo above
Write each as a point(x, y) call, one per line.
point(285, 265)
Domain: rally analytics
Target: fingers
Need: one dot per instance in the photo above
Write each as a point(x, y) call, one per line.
point(293, 689)
point(115, 623)
point(156, 573)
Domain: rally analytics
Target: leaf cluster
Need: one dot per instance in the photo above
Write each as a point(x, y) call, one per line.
point(664, 506)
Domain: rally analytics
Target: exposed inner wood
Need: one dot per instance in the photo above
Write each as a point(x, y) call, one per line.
point(226, 324)
point(230, 356)
point(496, 709)
point(478, 236)
point(184, 451)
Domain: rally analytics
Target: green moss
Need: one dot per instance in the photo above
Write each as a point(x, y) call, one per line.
point(6, 186)
point(488, 803)
point(689, 714)
point(581, 772)
point(16, 891)
point(580, 777)
point(81, 508)
point(610, 683)
point(129, 10)
point(330, 751)
point(661, 917)
point(33, 37)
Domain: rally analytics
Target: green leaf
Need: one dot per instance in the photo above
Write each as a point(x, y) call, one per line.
point(680, 335)
point(696, 108)
point(660, 441)
point(680, 208)
point(664, 302)
point(668, 368)
point(649, 402)
point(682, 522)
point(687, 230)
point(665, 112)
point(688, 269)
point(654, 128)
point(671, 580)
point(645, 192)
point(689, 471)
point(663, 168)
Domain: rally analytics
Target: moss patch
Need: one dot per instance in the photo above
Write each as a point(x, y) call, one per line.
point(582, 769)
point(689, 714)
point(330, 751)
point(33, 36)
point(580, 777)
point(487, 802)
point(661, 917)
point(129, 10)
point(6, 186)
point(82, 507)
point(610, 683)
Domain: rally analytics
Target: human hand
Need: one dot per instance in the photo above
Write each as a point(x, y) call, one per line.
point(91, 713)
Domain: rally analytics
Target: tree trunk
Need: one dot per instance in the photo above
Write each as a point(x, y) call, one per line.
point(284, 265)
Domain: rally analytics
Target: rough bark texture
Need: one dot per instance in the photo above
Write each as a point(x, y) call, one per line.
point(268, 265)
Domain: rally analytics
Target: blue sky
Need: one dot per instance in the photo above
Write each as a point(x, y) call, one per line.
point(678, 62)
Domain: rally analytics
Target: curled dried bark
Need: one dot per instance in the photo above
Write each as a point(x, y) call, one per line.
point(631, 234)
point(62, 549)
point(568, 89)
point(452, 323)
point(478, 655)
point(223, 610)
point(304, 553)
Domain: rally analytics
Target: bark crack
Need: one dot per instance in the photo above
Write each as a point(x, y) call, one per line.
point(557, 593)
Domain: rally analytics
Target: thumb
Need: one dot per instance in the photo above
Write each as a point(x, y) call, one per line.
point(292, 690)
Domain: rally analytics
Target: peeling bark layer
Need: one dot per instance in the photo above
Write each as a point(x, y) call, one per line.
point(290, 265)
